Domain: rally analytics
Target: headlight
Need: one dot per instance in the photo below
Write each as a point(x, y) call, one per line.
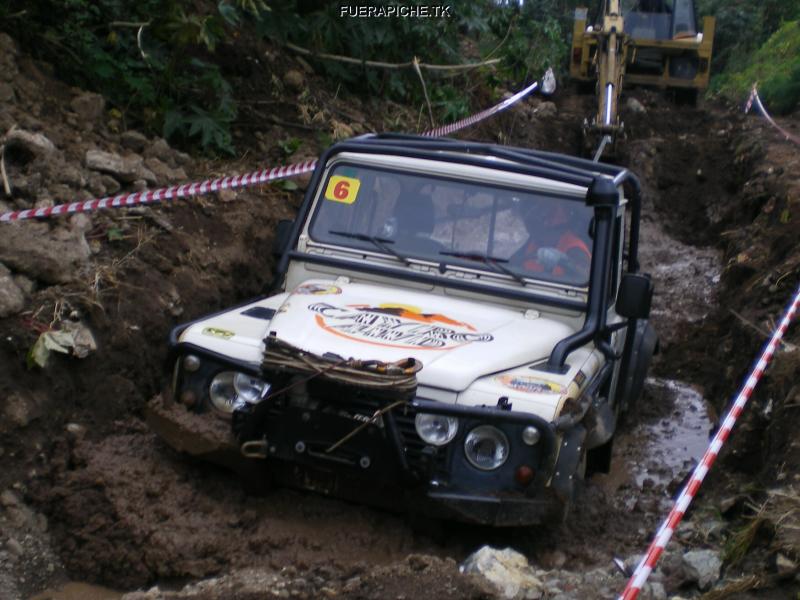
point(229, 388)
point(250, 389)
point(436, 430)
point(486, 447)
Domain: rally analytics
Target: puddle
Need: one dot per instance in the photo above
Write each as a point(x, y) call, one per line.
point(675, 443)
point(656, 452)
point(78, 591)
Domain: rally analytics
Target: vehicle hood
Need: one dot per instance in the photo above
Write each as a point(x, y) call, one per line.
point(456, 340)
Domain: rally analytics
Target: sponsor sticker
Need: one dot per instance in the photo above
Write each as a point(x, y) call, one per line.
point(225, 334)
point(529, 385)
point(317, 289)
point(342, 189)
point(396, 325)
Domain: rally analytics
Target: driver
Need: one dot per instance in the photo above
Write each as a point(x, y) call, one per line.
point(553, 245)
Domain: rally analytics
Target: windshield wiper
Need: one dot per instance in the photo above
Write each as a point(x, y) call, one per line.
point(494, 262)
point(378, 242)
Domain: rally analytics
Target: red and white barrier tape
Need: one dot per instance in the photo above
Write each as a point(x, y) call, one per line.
point(447, 129)
point(186, 190)
point(754, 98)
point(189, 190)
point(647, 564)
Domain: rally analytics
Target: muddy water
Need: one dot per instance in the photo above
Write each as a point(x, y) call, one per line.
point(653, 457)
point(675, 443)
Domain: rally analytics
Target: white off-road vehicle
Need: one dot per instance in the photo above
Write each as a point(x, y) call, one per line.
point(453, 329)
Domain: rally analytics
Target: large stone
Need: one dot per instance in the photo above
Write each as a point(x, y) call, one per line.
point(702, 567)
point(634, 106)
point(88, 106)
point(113, 164)
point(30, 248)
point(133, 140)
point(126, 169)
point(34, 144)
point(507, 571)
point(161, 150)
point(12, 298)
point(163, 172)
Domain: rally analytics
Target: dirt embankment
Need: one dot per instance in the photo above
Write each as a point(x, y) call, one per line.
point(91, 494)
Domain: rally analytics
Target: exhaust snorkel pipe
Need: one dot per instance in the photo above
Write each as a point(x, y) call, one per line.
point(603, 195)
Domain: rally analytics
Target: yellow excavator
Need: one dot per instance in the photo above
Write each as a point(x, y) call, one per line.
point(646, 42)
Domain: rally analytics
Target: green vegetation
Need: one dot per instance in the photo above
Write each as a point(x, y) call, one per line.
point(776, 68)
point(162, 63)
point(159, 62)
point(756, 42)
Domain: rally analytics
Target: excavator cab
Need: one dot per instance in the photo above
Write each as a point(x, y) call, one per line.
point(663, 45)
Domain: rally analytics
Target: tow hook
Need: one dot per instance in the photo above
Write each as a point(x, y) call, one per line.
point(255, 449)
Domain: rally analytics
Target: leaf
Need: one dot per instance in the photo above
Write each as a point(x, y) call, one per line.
point(288, 185)
point(229, 13)
point(47, 342)
point(115, 234)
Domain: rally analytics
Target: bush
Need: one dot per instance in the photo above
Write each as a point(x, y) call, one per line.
point(776, 67)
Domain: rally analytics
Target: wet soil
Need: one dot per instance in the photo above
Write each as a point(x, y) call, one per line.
point(123, 510)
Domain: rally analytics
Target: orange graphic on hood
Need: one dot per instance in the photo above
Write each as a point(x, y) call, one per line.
point(413, 313)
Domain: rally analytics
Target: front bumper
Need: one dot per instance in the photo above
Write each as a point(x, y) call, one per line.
point(403, 474)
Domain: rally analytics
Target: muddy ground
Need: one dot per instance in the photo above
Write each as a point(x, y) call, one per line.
point(92, 496)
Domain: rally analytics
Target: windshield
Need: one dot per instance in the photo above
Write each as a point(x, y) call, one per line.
point(659, 19)
point(519, 234)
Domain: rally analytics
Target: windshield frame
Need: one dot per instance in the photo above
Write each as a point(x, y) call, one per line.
point(484, 274)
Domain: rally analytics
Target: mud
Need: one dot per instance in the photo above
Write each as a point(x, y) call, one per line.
point(105, 502)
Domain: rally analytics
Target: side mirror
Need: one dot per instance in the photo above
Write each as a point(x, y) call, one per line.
point(635, 295)
point(283, 234)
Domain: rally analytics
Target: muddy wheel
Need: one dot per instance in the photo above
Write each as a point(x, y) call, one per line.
point(577, 486)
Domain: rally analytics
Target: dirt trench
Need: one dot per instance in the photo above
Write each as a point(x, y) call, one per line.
point(125, 511)
point(106, 502)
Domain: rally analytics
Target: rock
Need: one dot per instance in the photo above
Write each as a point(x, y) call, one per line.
point(9, 498)
point(163, 172)
point(113, 164)
point(27, 285)
point(507, 571)
point(654, 591)
point(702, 567)
point(633, 105)
point(35, 144)
point(30, 249)
point(6, 92)
point(159, 149)
point(547, 109)
point(110, 184)
point(14, 547)
point(294, 80)
point(20, 408)
point(12, 298)
point(76, 430)
point(133, 140)
point(126, 169)
point(71, 176)
point(88, 106)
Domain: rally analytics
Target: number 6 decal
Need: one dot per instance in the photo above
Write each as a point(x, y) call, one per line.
point(342, 189)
